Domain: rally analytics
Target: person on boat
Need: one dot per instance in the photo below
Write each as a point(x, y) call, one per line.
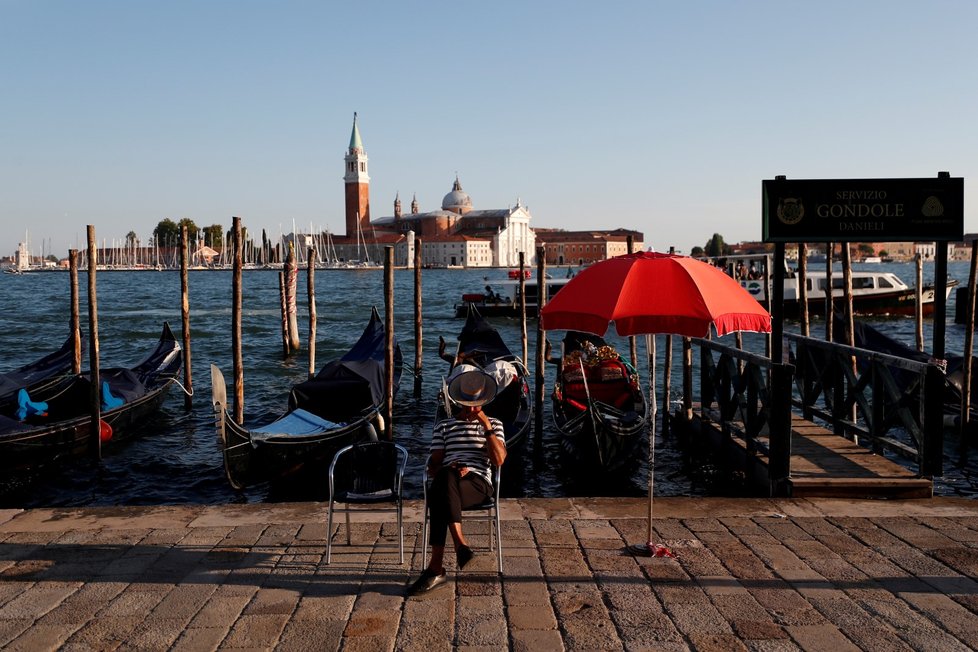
point(492, 297)
point(463, 451)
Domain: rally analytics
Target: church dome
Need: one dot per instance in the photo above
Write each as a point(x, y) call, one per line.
point(457, 201)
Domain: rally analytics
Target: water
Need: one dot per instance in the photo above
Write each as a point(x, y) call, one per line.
point(176, 459)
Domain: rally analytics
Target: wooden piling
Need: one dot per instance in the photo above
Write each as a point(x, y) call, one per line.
point(95, 395)
point(803, 288)
point(188, 383)
point(283, 302)
point(389, 342)
point(522, 285)
point(541, 340)
point(311, 292)
point(666, 378)
point(237, 266)
point(687, 379)
point(847, 294)
point(969, 342)
point(291, 278)
point(829, 298)
point(75, 325)
point(919, 301)
point(418, 339)
point(632, 343)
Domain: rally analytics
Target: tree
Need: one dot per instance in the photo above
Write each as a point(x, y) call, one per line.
point(696, 251)
point(166, 233)
point(866, 249)
point(715, 246)
point(212, 236)
point(192, 229)
point(132, 240)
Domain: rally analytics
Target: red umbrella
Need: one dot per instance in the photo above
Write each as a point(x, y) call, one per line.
point(648, 293)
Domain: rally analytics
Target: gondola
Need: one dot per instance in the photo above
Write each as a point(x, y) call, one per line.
point(339, 406)
point(480, 345)
point(37, 376)
point(599, 410)
point(55, 422)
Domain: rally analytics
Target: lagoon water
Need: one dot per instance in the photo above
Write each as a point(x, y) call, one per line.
point(176, 458)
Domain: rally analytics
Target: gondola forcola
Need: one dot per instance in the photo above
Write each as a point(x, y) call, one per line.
point(340, 406)
point(31, 435)
point(480, 346)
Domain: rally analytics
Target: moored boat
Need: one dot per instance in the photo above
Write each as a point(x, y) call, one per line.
point(599, 409)
point(493, 303)
point(339, 406)
point(874, 292)
point(55, 422)
point(36, 376)
point(480, 346)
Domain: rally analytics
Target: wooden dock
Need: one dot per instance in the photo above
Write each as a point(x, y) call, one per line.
point(823, 464)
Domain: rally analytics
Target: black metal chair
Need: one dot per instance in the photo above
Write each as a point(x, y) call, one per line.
point(366, 477)
point(487, 511)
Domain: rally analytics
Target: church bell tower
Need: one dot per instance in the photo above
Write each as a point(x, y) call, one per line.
point(357, 183)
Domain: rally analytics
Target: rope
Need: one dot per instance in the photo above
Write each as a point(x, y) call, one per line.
point(180, 385)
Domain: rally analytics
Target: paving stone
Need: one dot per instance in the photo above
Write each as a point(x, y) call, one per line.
point(535, 640)
point(531, 617)
point(41, 637)
point(258, 630)
point(200, 638)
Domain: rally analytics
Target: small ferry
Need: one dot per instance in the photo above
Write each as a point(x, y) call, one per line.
point(873, 292)
point(502, 298)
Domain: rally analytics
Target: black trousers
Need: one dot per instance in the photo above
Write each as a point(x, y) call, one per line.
point(448, 495)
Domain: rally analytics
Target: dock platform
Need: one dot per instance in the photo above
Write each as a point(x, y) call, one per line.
point(823, 464)
point(748, 574)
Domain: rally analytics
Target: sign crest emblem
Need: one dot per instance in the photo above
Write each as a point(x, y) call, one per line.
point(790, 210)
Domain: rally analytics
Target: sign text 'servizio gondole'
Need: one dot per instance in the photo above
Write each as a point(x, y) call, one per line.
point(863, 210)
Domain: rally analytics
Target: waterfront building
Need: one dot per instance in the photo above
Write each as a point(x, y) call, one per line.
point(585, 247)
point(459, 234)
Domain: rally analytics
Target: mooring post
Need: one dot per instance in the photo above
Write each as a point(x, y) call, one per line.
point(311, 292)
point(389, 342)
point(969, 345)
point(829, 300)
point(291, 283)
point(75, 325)
point(418, 341)
point(940, 300)
point(522, 290)
point(803, 288)
point(776, 304)
point(779, 462)
point(541, 340)
point(919, 301)
point(632, 343)
point(188, 384)
point(95, 395)
point(237, 267)
point(283, 302)
point(667, 379)
point(687, 379)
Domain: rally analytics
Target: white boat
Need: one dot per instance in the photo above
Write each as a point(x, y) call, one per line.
point(873, 292)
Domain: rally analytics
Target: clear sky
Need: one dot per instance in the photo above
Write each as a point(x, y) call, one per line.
point(658, 116)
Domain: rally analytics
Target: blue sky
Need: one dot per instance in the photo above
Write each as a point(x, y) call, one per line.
point(657, 116)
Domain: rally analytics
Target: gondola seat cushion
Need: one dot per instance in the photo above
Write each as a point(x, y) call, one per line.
point(613, 393)
point(296, 423)
point(110, 402)
point(28, 408)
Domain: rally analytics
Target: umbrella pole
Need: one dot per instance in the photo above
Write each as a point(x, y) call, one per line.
point(650, 346)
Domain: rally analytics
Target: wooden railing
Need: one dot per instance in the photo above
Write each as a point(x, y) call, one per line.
point(749, 397)
point(889, 403)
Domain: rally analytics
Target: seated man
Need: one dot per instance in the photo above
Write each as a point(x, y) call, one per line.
point(463, 449)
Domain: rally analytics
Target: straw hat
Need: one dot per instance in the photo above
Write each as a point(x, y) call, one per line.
point(472, 388)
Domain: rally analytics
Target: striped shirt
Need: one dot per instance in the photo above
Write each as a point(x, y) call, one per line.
point(464, 442)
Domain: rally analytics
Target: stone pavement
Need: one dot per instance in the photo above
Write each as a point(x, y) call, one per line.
point(750, 574)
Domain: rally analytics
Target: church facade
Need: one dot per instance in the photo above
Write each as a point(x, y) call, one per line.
point(455, 235)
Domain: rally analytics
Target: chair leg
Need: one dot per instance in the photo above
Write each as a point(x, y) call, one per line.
point(329, 530)
point(499, 541)
point(424, 538)
point(400, 532)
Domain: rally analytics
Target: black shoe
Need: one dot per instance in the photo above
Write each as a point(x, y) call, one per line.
point(428, 581)
point(463, 556)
